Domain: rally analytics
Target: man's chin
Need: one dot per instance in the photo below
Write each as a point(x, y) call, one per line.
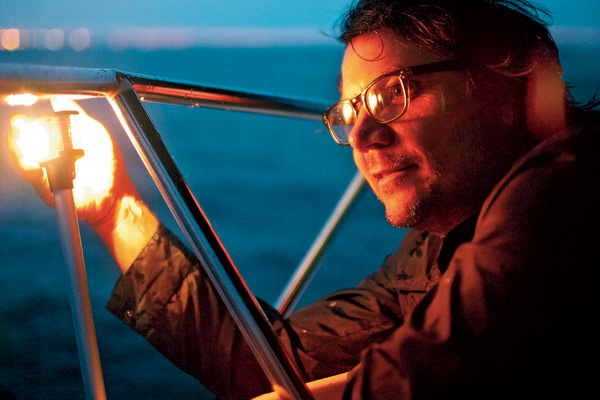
point(406, 216)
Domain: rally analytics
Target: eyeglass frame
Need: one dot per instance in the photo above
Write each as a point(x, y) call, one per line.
point(403, 74)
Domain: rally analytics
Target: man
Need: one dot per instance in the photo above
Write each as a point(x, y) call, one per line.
point(459, 121)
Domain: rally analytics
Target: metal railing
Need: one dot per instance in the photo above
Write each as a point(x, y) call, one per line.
point(125, 91)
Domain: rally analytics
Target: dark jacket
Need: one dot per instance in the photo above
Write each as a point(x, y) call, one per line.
point(500, 308)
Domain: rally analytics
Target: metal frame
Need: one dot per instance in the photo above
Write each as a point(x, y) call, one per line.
point(309, 265)
point(125, 91)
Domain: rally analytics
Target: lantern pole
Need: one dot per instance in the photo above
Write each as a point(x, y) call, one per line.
point(61, 172)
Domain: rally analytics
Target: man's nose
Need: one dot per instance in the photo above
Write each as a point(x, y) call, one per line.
point(368, 134)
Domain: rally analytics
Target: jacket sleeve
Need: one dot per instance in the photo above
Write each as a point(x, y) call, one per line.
point(166, 297)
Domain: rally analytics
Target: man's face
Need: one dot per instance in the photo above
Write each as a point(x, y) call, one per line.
point(433, 166)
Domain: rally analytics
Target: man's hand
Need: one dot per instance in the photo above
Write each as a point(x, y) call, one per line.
point(104, 195)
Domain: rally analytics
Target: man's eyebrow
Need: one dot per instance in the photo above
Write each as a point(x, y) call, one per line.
point(398, 68)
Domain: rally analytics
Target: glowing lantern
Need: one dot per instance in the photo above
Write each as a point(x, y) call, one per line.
point(48, 142)
point(37, 140)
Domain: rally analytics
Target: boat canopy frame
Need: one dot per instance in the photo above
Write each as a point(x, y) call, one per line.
point(125, 93)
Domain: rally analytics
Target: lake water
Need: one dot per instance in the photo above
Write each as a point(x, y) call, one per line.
point(267, 185)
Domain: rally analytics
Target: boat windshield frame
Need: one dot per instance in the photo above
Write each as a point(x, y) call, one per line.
point(125, 93)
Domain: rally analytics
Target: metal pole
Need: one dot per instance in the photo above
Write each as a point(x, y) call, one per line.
point(194, 95)
point(245, 310)
point(81, 307)
point(46, 81)
point(311, 261)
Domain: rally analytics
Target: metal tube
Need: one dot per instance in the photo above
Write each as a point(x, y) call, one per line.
point(207, 247)
point(81, 307)
point(45, 80)
point(310, 263)
point(195, 95)
point(48, 81)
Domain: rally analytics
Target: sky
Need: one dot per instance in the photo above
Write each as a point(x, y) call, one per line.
point(119, 13)
point(252, 20)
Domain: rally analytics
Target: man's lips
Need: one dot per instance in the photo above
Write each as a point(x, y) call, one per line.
point(384, 173)
point(385, 169)
point(389, 174)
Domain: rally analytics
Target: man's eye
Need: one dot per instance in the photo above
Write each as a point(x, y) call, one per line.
point(396, 90)
point(392, 91)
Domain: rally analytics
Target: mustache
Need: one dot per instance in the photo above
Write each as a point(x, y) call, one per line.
point(379, 161)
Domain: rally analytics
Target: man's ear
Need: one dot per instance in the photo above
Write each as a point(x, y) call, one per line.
point(545, 101)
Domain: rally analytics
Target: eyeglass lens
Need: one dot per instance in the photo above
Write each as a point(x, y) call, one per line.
point(385, 100)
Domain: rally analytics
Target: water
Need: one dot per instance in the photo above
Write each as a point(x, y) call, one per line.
point(266, 183)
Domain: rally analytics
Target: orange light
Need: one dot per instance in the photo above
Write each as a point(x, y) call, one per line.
point(10, 39)
point(23, 99)
point(347, 111)
point(32, 141)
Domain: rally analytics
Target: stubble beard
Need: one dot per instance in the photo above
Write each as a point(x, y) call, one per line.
point(440, 207)
point(427, 210)
point(413, 214)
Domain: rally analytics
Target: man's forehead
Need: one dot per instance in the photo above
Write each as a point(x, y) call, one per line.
point(370, 46)
point(366, 49)
point(371, 55)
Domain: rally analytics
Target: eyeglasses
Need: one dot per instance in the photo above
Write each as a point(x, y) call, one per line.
point(385, 99)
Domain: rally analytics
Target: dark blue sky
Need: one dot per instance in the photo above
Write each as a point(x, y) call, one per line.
point(315, 13)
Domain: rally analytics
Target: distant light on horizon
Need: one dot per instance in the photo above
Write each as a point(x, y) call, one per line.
point(14, 39)
point(80, 39)
point(55, 39)
point(161, 38)
point(149, 38)
point(9, 39)
point(181, 38)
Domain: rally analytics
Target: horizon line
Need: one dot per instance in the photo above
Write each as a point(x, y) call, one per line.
point(180, 38)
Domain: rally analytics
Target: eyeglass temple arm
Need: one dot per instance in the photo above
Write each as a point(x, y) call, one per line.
point(446, 65)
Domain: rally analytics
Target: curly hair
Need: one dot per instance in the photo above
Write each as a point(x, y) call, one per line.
point(505, 35)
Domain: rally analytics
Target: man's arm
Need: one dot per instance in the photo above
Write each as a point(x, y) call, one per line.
point(167, 298)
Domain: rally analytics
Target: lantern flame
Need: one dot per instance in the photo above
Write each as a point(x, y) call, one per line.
point(22, 99)
point(32, 143)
